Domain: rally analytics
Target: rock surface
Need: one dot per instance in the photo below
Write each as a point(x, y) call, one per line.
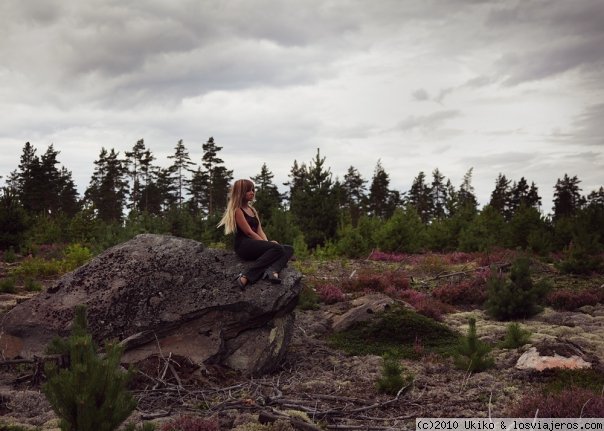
point(163, 293)
point(552, 355)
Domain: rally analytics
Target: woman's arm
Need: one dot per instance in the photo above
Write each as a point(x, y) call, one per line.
point(244, 226)
point(261, 232)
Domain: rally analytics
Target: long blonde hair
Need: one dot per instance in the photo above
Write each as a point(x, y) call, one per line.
point(236, 200)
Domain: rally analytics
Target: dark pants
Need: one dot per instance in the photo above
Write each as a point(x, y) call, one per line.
point(267, 256)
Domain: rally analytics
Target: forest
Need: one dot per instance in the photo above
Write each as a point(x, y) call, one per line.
point(128, 194)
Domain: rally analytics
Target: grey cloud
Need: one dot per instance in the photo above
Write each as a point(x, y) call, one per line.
point(427, 123)
point(588, 127)
point(420, 95)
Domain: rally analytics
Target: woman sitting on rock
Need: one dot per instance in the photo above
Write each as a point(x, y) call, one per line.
point(251, 242)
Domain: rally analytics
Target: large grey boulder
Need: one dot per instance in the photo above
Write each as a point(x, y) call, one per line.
point(159, 294)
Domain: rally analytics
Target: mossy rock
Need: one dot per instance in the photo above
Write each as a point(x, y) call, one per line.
point(395, 332)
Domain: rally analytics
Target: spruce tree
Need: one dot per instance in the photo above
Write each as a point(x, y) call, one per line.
point(354, 194)
point(268, 198)
point(438, 193)
point(314, 207)
point(466, 198)
point(419, 197)
point(382, 201)
point(501, 197)
point(108, 187)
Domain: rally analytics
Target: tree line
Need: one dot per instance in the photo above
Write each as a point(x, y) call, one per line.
point(130, 194)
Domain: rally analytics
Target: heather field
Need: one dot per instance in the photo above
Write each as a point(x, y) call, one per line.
point(378, 342)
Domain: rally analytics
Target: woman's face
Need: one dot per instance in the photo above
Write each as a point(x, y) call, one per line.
point(249, 195)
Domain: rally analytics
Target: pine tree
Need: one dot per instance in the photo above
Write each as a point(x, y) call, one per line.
point(382, 201)
point(354, 194)
point(268, 198)
point(43, 188)
point(466, 198)
point(298, 176)
point(210, 186)
point(179, 168)
point(501, 197)
point(314, 207)
point(438, 193)
point(134, 160)
point(419, 197)
point(108, 187)
point(567, 197)
point(147, 187)
point(91, 394)
point(12, 219)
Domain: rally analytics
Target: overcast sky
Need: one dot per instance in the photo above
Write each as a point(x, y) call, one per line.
point(501, 86)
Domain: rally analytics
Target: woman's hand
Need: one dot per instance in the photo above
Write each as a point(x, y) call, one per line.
point(272, 240)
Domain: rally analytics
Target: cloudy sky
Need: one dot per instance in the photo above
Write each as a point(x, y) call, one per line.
point(501, 86)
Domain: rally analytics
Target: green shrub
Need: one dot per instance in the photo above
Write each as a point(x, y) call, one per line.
point(516, 297)
point(515, 337)
point(300, 248)
point(392, 379)
point(91, 394)
point(75, 256)
point(582, 255)
point(352, 243)
point(7, 285)
point(472, 354)
point(9, 255)
point(327, 251)
point(403, 232)
point(36, 267)
point(308, 299)
point(32, 285)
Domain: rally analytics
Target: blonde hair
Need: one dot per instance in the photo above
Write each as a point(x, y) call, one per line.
point(236, 199)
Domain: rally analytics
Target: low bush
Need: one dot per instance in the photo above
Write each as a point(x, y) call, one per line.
point(393, 377)
point(75, 256)
point(472, 291)
point(190, 423)
point(9, 255)
point(308, 299)
point(35, 267)
point(32, 285)
point(515, 337)
point(388, 257)
point(561, 380)
point(471, 353)
point(569, 299)
point(568, 403)
point(432, 264)
point(330, 294)
point(7, 285)
point(424, 304)
point(395, 331)
point(517, 296)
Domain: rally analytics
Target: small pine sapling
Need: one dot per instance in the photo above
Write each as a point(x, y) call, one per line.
point(393, 380)
point(472, 354)
point(515, 337)
point(516, 297)
point(91, 394)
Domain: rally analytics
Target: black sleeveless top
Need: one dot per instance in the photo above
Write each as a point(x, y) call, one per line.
point(252, 221)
